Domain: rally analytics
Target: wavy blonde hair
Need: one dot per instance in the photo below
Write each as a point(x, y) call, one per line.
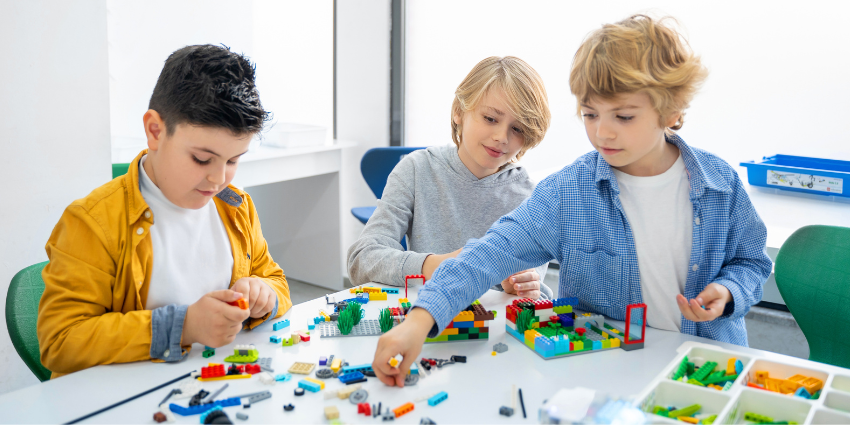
point(638, 55)
point(524, 93)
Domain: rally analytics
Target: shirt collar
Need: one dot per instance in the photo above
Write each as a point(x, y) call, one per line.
point(701, 175)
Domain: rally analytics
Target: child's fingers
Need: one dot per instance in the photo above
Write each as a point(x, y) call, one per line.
point(685, 308)
point(525, 276)
point(381, 366)
point(533, 295)
point(226, 295)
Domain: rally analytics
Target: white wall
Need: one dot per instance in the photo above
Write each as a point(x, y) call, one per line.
point(291, 43)
point(777, 80)
point(363, 99)
point(54, 104)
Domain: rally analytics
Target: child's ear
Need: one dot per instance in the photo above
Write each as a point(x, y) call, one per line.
point(154, 129)
point(458, 120)
point(672, 119)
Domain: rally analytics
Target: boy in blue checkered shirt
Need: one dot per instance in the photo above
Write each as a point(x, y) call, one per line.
point(644, 218)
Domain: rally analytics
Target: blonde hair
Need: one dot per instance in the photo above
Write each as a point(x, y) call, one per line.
point(638, 55)
point(524, 93)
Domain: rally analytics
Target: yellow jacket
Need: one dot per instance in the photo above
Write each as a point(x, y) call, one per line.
point(96, 284)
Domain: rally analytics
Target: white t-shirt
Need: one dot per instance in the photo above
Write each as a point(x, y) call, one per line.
point(660, 213)
point(191, 250)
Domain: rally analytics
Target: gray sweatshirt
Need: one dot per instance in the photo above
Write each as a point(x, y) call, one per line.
point(451, 206)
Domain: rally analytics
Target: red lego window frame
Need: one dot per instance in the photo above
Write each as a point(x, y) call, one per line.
point(629, 309)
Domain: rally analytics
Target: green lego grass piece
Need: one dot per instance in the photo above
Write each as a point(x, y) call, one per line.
point(680, 372)
point(346, 322)
point(385, 319)
point(685, 411)
point(755, 417)
point(693, 381)
point(718, 379)
point(704, 371)
point(709, 420)
point(523, 321)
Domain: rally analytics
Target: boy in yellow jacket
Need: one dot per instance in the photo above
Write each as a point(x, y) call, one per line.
point(145, 265)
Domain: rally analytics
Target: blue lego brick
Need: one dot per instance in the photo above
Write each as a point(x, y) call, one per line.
point(516, 334)
point(464, 325)
point(739, 367)
point(280, 325)
point(414, 370)
point(353, 376)
point(205, 414)
point(390, 290)
point(311, 327)
point(309, 386)
point(597, 345)
point(541, 343)
point(801, 392)
point(317, 320)
point(363, 368)
point(323, 361)
point(437, 399)
point(274, 339)
point(358, 300)
point(283, 377)
point(201, 408)
point(566, 320)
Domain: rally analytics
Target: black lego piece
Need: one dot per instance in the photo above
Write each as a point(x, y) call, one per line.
point(459, 359)
point(299, 391)
point(217, 417)
point(196, 399)
point(288, 407)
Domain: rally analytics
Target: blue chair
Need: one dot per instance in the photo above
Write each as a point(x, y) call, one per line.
point(376, 166)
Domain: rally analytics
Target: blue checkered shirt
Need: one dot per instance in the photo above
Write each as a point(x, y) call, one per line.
point(575, 217)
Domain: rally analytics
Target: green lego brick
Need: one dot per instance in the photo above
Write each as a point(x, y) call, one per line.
point(483, 335)
point(693, 381)
point(691, 368)
point(458, 337)
point(208, 353)
point(704, 371)
point(473, 330)
point(440, 338)
point(755, 417)
point(606, 344)
point(660, 411)
point(718, 379)
point(709, 420)
point(681, 370)
point(685, 411)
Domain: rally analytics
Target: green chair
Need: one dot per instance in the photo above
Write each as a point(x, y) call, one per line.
point(22, 315)
point(813, 275)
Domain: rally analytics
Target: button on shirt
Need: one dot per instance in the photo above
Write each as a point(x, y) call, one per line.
point(575, 216)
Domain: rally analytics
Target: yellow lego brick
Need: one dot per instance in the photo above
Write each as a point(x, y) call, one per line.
point(614, 331)
point(772, 384)
point(325, 316)
point(586, 314)
point(812, 385)
point(530, 335)
point(451, 331)
point(337, 364)
point(535, 325)
point(331, 412)
point(615, 343)
point(377, 296)
point(578, 345)
point(371, 289)
point(465, 316)
point(321, 384)
point(353, 290)
point(403, 300)
point(761, 375)
point(225, 378)
point(730, 366)
point(346, 391)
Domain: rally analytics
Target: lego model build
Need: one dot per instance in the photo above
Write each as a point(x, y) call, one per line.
point(347, 320)
point(470, 324)
point(552, 328)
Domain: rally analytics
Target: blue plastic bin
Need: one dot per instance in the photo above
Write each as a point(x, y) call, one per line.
point(800, 174)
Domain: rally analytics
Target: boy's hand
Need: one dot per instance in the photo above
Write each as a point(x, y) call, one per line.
point(714, 297)
point(405, 339)
point(211, 321)
point(260, 297)
point(434, 260)
point(526, 284)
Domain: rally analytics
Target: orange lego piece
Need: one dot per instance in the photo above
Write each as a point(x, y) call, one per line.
point(761, 375)
point(403, 409)
point(688, 419)
point(241, 303)
point(464, 316)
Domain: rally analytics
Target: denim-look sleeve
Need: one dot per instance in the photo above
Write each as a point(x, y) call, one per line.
point(167, 331)
point(749, 267)
point(523, 239)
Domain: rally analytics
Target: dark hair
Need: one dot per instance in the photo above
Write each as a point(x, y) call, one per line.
point(208, 86)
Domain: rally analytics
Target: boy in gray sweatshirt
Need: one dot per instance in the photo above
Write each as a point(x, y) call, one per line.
point(443, 196)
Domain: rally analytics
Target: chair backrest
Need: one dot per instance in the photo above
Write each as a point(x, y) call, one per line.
point(378, 163)
point(813, 275)
point(22, 316)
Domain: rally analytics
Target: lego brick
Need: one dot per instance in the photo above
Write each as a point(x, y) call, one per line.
point(201, 408)
point(464, 316)
point(390, 290)
point(309, 386)
point(303, 335)
point(364, 328)
point(378, 296)
point(453, 331)
point(241, 303)
point(301, 368)
point(331, 412)
point(363, 368)
point(336, 364)
point(437, 399)
point(468, 324)
point(213, 371)
point(321, 384)
point(280, 325)
point(403, 409)
point(274, 339)
point(439, 338)
point(243, 354)
point(344, 393)
point(351, 377)
point(208, 353)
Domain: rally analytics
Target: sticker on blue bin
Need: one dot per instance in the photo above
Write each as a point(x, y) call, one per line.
point(805, 181)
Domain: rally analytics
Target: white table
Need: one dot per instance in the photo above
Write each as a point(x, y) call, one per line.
point(296, 192)
point(475, 390)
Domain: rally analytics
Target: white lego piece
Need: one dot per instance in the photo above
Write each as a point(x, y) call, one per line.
point(266, 378)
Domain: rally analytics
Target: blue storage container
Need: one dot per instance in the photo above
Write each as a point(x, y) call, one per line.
point(800, 174)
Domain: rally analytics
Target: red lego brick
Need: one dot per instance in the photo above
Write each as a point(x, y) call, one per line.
point(450, 325)
point(212, 371)
point(364, 408)
point(252, 369)
point(304, 336)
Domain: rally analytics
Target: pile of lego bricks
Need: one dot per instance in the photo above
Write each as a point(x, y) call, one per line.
point(557, 329)
point(470, 324)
